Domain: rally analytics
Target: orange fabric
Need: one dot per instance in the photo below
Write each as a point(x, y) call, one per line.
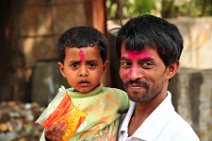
point(67, 113)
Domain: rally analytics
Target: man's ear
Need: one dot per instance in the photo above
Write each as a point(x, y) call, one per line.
point(61, 68)
point(172, 69)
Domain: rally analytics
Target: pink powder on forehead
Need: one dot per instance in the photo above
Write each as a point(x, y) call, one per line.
point(135, 54)
point(81, 55)
point(132, 55)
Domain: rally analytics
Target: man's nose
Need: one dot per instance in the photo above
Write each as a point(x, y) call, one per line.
point(135, 73)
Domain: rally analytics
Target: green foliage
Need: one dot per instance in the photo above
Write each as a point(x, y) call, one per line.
point(111, 8)
point(141, 7)
point(165, 8)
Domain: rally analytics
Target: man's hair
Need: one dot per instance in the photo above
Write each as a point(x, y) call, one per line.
point(151, 31)
point(81, 37)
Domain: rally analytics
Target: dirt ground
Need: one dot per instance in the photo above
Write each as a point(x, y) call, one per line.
point(17, 121)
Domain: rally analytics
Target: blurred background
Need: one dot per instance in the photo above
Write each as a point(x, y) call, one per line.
point(29, 77)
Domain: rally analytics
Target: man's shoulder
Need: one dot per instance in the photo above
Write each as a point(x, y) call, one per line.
point(178, 128)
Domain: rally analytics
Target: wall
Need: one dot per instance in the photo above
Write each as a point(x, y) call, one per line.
point(197, 35)
point(42, 22)
point(192, 91)
point(192, 97)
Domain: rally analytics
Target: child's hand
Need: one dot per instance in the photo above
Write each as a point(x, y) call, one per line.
point(55, 132)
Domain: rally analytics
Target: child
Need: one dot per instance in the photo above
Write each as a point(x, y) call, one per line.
point(83, 60)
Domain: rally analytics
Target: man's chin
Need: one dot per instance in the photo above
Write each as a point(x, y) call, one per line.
point(138, 96)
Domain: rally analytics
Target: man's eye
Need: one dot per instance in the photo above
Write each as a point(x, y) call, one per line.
point(147, 65)
point(125, 64)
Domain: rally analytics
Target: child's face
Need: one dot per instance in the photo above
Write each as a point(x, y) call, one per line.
point(82, 68)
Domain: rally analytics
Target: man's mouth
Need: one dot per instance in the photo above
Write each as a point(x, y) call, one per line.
point(137, 85)
point(134, 86)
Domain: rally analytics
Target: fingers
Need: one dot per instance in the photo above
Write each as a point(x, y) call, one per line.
point(63, 128)
point(55, 132)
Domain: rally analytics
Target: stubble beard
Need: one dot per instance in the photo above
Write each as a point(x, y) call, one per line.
point(146, 95)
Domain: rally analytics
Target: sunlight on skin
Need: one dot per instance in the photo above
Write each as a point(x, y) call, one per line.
point(81, 55)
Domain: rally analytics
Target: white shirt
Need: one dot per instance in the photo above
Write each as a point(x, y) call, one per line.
point(163, 124)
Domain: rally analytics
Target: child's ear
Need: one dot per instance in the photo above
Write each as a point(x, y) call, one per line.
point(172, 69)
point(61, 68)
point(105, 65)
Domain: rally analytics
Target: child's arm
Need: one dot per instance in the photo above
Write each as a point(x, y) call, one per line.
point(55, 132)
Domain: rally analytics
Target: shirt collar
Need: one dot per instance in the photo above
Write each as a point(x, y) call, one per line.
point(153, 125)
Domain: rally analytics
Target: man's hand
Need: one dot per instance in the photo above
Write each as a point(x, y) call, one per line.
point(55, 132)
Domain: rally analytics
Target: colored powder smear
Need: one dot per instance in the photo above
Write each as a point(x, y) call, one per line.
point(81, 55)
point(136, 55)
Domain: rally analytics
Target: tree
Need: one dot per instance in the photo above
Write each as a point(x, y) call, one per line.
point(119, 9)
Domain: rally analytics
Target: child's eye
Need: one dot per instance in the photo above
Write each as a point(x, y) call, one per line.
point(75, 65)
point(92, 64)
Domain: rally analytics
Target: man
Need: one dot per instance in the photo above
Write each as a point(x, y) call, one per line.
point(149, 49)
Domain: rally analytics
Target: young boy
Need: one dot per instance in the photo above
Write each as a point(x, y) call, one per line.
point(83, 60)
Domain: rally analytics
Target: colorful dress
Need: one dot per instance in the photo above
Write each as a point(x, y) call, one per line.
point(103, 107)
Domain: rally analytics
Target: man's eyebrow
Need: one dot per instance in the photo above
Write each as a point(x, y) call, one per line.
point(146, 58)
point(124, 58)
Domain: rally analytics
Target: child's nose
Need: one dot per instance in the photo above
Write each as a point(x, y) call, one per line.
point(83, 71)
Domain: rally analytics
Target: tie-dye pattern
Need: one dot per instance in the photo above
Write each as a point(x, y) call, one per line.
point(103, 107)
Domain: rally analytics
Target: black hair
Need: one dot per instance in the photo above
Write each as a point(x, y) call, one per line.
point(151, 31)
point(81, 37)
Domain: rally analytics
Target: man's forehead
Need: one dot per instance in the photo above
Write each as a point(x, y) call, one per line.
point(135, 54)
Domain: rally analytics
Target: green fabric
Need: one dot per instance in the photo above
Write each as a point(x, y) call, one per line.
point(103, 106)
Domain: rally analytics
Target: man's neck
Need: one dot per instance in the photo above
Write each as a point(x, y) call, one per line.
point(142, 111)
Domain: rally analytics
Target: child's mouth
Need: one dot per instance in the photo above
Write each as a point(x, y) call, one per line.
point(84, 83)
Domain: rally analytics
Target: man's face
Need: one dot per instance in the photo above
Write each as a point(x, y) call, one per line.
point(143, 73)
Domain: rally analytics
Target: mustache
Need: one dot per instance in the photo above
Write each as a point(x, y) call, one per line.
point(138, 83)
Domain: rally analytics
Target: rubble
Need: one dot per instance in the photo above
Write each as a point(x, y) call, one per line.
point(17, 121)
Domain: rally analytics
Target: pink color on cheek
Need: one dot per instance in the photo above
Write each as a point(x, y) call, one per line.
point(133, 69)
point(129, 74)
point(134, 56)
point(81, 55)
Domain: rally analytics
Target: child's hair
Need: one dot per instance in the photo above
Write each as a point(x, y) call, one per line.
point(81, 37)
point(150, 31)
